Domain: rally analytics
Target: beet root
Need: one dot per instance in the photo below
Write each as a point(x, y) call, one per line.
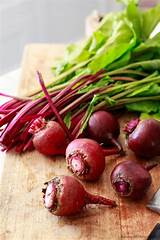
point(64, 196)
point(130, 179)
point(144, 141)
point(102, 127)
point(50, 139)
point(85, 159)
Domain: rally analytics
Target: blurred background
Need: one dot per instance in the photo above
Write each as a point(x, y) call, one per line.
point(29, 21)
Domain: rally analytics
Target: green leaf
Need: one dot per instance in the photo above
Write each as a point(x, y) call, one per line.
point(78, 54)
point(126, 2)
point(118, 87)
point(144, 106)
point(151, 18)
point(122, 39)
point(67, 119)
point(61, 67)
point(98, 39)
point(149, 89)
point(150, 43)
point(147, 50)
point(149, 65)
point(144, 116)
point(110, 101)
point(82, 71)
point(135, 17)
point(120, 62)
point(101, 83)
point(110, 55)
point(69, 50)
point(107, 24)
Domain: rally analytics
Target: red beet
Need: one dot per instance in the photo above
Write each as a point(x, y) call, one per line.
point(50, 139)
point(130, 179)
point(64, 196)
point(145, 139)
point(104, 128)
point(85, 158)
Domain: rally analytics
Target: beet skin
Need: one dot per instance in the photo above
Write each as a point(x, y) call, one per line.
point(65, 195)
point(85, 158)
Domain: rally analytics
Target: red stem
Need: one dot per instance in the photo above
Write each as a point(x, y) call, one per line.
point(14, 126)
point(110, 151)
point(81, 111)
point(76, 129)
point(13, 97)
point(149, 166)
point(96, 199)
point(4, 112)
point(120, 78)
point(52, 106)
point(63, 93)
point(29, 118)
point(66, 90)
point(26, 134)
point(116, 143)
point(10, 115)
point(65, 97)
point(29, 145)
point(17, 104)
point(78, 101)
point(8, 104)
point(45, 112)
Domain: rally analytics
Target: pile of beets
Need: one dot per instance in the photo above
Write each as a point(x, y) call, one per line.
point(85, 158)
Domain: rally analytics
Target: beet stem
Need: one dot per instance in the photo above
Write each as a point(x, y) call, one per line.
point(66, 90)
point(110, 151)
point(52, 106)
point(28, 145)
point(8, 117)
point(76, 129)
point(96, 199)
point(122, 78)
point(14, 125)
point(116, 143)
point(130, 71)
point(149, 166)
point(14, 97)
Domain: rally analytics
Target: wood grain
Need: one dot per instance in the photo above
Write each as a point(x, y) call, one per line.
point(22, 215)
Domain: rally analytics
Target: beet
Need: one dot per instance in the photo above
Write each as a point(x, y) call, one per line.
point(85, 158)
point(130, 179)
point(144, 141)
point(50, 139)
point(104, 128)
point(64, 196)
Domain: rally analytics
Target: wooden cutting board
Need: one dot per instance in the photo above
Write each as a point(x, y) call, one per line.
point(22, 215)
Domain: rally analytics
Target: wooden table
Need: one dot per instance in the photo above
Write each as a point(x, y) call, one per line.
point(22, 215)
